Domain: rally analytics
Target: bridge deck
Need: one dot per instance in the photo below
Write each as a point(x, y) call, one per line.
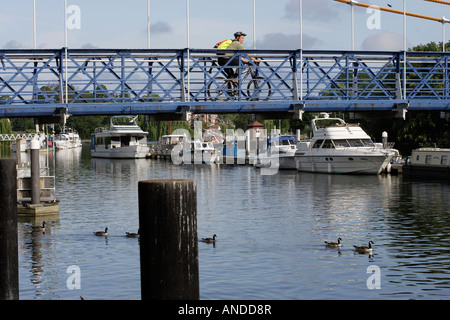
point(117, 81)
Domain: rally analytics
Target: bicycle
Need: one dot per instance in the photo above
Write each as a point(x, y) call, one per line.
point(229, 88)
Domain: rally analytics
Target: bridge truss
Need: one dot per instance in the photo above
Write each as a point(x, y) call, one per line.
point(42, 83)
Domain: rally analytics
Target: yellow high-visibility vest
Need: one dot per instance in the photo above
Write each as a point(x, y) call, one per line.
point(223, 44)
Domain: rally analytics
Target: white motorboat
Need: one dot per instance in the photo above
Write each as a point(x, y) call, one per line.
point(180, 149)
point(67, 139)
point(215, 136)
point(339, 147)
point(193, 152)
point(203, 152)
point(279, 151)
point(124, 139)
point(163, 148)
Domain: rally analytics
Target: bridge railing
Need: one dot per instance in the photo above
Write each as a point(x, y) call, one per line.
point(192, 75)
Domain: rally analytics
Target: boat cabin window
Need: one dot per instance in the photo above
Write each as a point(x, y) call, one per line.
point(286, 142)
point(328, 144)
point(428, 159)
point(317, 144)
point(355, 143)
point(176, 140)
point(126, 141)
point(368, 143)
point(444, 160)
point(342, 143)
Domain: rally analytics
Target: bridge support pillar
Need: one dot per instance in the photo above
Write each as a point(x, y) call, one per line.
point(296, 113)
point(183, 115)
point(398, 112)
point(60, 117)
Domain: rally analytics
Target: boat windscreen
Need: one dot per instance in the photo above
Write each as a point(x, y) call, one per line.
point(341, 143)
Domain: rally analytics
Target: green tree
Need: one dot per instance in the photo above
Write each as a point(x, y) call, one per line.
point(5, 126)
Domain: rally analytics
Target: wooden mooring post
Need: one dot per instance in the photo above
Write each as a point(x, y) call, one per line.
point(168, 240)
point(9, 258)
point(35, 172)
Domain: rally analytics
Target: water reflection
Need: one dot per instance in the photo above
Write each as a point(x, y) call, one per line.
point(419, 232)
point(36, 254)
point(270, 233)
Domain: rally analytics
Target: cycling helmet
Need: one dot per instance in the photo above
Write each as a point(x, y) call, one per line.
point(239, 33)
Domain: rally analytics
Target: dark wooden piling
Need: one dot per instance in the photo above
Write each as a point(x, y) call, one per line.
point(168, 240)
point(9, 261)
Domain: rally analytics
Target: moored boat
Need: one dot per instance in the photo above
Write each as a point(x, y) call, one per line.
point(279, 151)
point(202, 152)
point(343, 148)
point(124, 139)
point(428, 163)
point(67, 139)
point(163, 148)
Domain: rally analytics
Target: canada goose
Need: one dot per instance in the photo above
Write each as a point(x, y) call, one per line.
point(133, 235)
point(40, 228)
point(364, 249)
point(334, 244)
point(210, 240)
point(102, 233)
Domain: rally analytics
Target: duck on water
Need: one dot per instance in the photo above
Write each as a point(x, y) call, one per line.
point(210, 240)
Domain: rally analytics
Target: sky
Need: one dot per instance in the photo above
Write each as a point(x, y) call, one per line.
point(123, 24)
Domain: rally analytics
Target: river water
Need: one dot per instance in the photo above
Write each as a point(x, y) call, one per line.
point(271, 232)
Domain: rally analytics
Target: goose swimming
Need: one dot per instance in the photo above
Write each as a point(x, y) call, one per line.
point(210, 240)
point(102, 233)
point(365, 249)
point(334, 244)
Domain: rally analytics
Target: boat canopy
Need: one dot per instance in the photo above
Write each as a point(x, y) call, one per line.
point(282, 140)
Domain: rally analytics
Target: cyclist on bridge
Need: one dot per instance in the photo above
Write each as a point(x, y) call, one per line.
point(236, 44)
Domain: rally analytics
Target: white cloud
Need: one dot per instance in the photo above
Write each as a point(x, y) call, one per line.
point(88, 46)
point(13, 44)
point(384, 40)
point(161, 27)
point(283, 41)
point(317, 9)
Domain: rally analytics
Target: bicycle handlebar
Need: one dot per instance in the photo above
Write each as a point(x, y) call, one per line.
point(255, 62)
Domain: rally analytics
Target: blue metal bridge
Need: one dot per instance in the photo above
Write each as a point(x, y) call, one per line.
point(172, 83)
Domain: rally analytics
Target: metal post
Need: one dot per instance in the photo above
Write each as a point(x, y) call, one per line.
point(9, 261)
point(444, 21)
point(122, 76)
point(148, 24)
point(254, 24)
point(404, 49)
point(294, 76)
point(182, 81)
point(352, 3)
point(35, 172)
point(446, 75)
point(34, 24)
point(301, 48)
point(168, 239)
point(188, 51)
point(65, 53)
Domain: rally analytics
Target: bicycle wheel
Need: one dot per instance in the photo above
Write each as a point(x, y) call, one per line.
point(217, 93)
point(260, 90)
